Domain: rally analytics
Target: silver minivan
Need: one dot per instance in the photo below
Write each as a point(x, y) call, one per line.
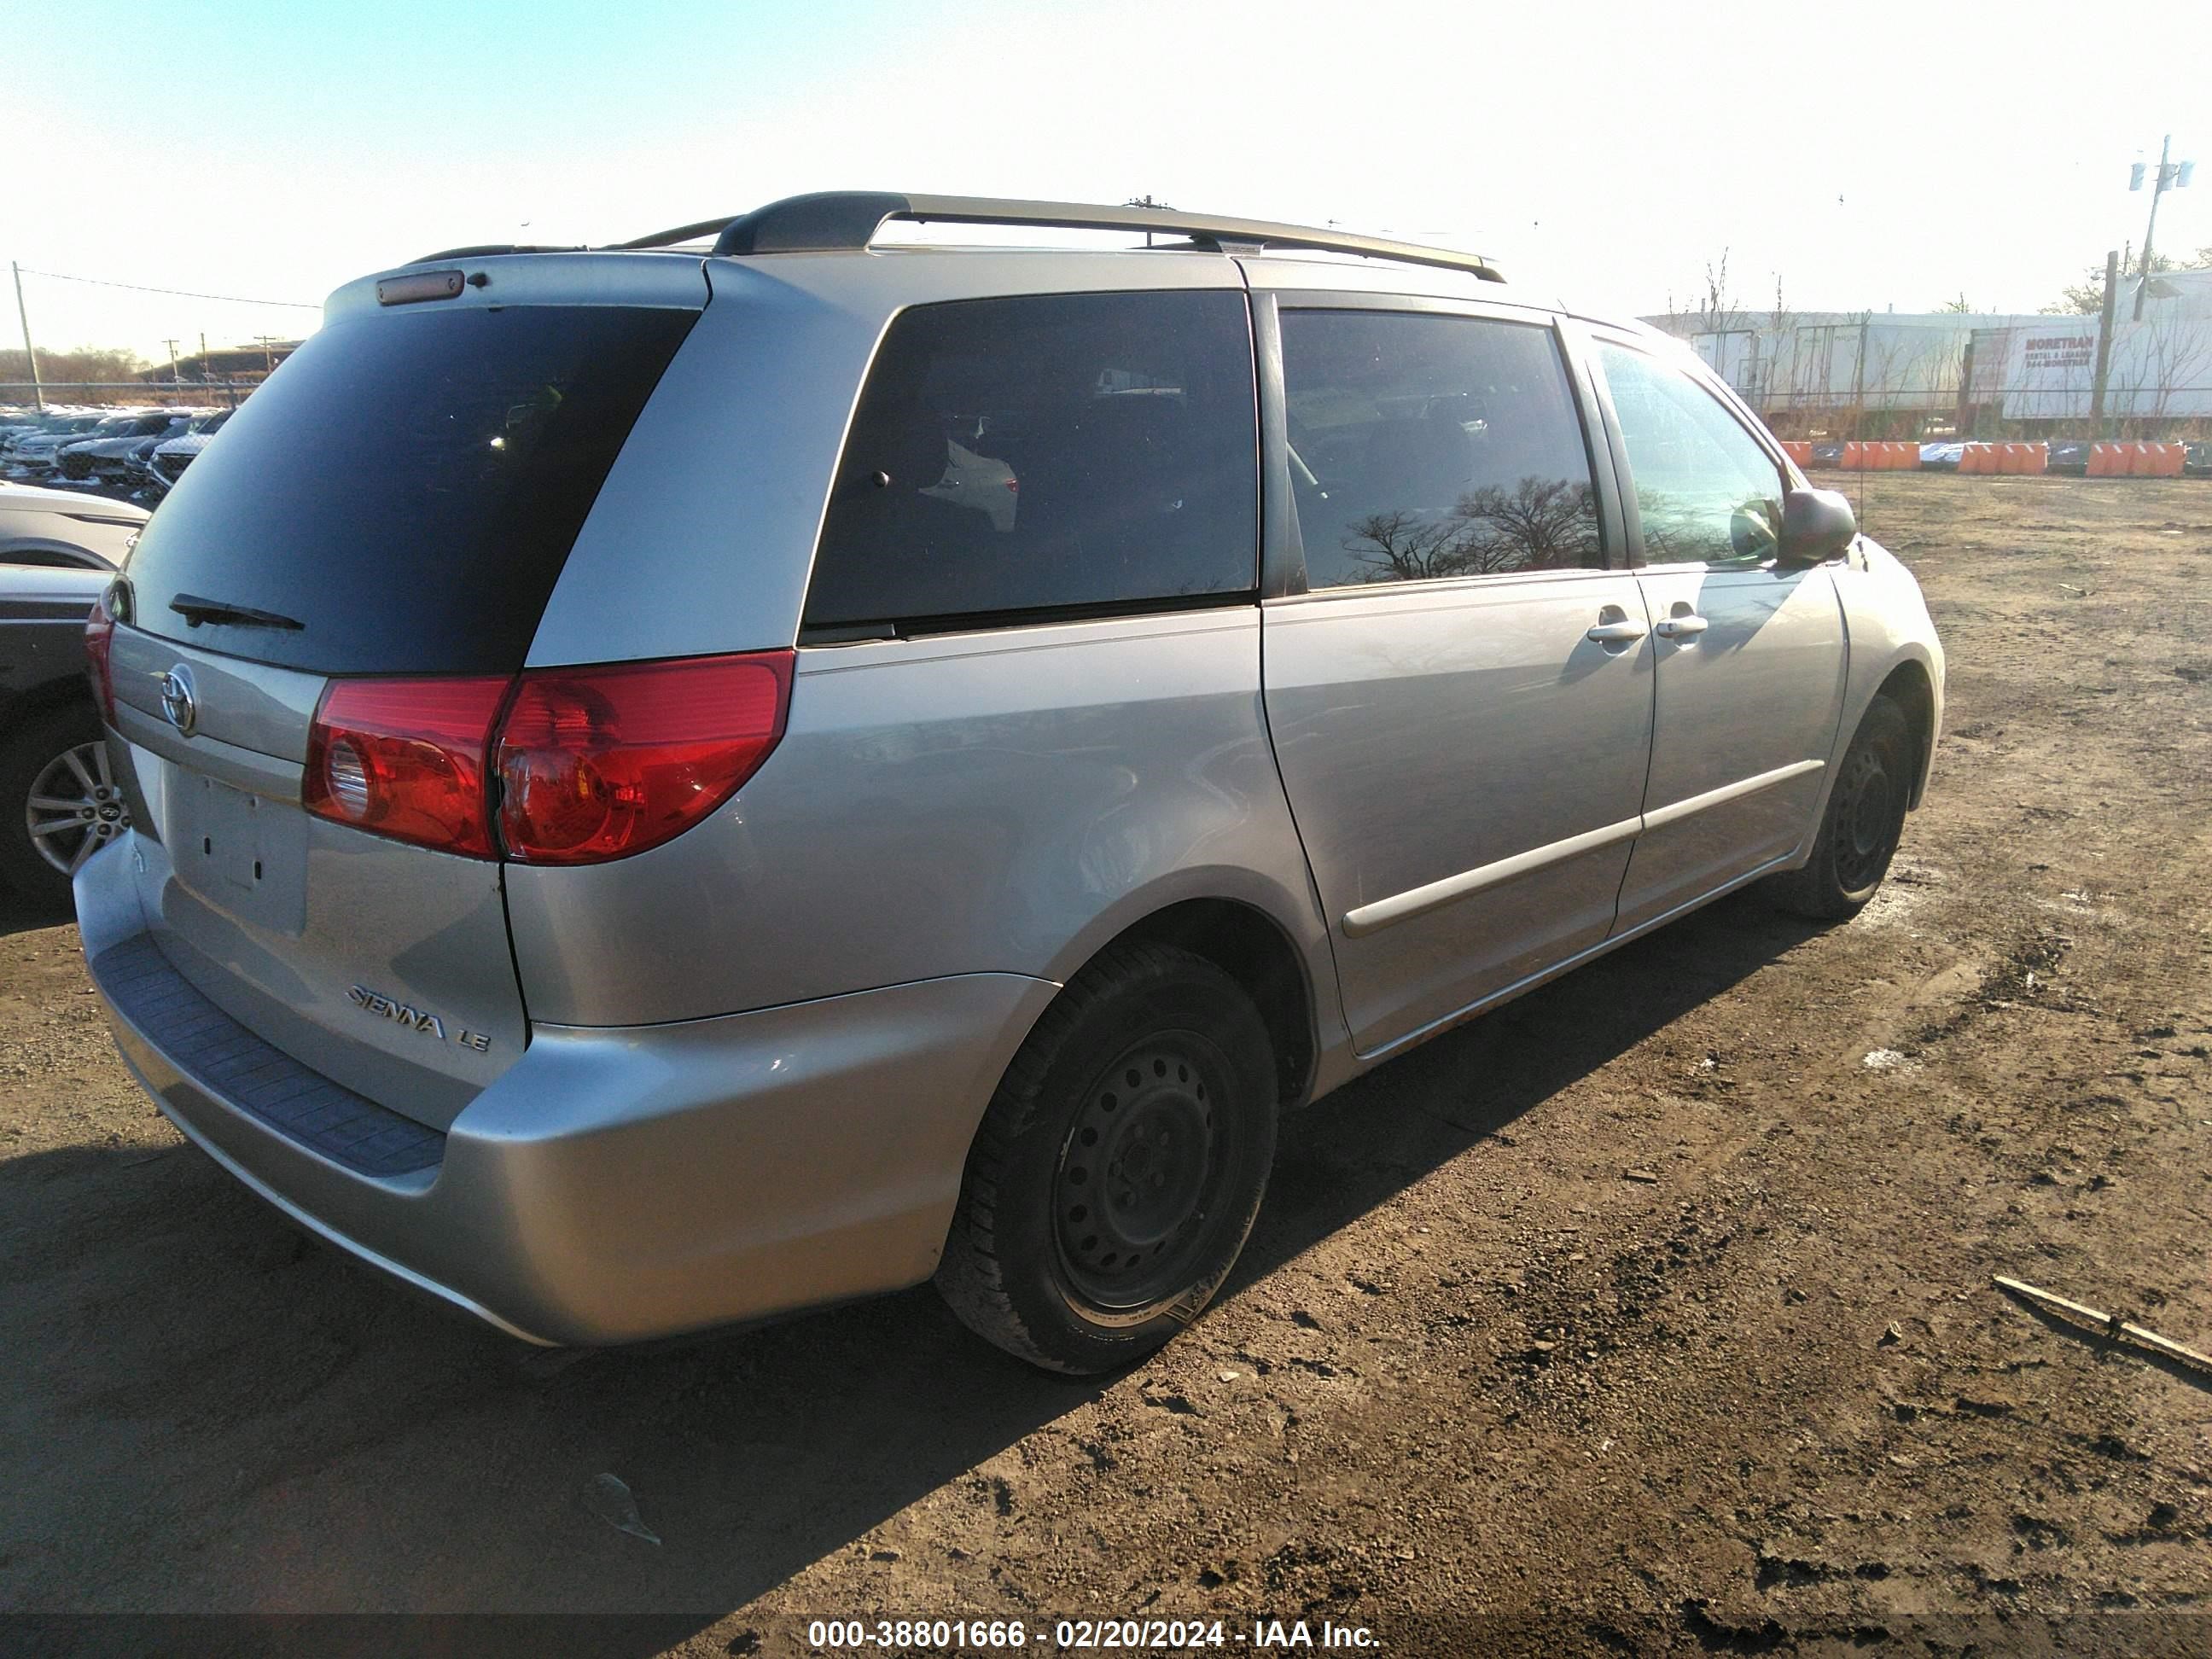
point(679, 782)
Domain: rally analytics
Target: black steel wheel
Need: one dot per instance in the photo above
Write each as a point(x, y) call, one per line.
point(1139, 1177)
point(1120, 1165)
point(1864, 820)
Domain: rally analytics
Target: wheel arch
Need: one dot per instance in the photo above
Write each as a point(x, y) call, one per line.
point(30, 702)
point(1910, 686)
point(1252, 948)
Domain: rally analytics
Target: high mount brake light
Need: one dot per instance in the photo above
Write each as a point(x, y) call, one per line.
point(591, 764)
point(597, 763)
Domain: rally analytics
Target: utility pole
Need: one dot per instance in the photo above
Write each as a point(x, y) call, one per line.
point(174, 375)
point(1858, 377)
point(2104, 344)
point(30, 351)
point(2174, 175)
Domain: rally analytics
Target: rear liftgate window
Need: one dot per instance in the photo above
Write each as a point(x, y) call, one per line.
point(1056, 456)
point(405, 488)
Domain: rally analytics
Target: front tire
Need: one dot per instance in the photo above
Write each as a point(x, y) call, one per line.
point(1865, 819)
point(1120, 1166)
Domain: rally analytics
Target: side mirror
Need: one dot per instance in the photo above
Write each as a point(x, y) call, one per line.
point(1816, 525)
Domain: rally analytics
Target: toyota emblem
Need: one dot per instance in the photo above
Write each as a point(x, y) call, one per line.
point(177, 700)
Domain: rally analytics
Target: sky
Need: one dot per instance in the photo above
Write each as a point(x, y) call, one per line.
point(1863, 155)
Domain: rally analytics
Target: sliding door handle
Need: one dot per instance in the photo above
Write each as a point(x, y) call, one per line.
point(1616, 632)
point(1682, 628)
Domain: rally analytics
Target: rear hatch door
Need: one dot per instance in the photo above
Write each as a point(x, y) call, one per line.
point(395, 503)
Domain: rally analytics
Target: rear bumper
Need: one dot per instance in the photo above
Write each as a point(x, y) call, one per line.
point(615, 1183)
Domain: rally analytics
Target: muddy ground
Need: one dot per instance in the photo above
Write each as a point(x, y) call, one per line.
point(1471, 1373)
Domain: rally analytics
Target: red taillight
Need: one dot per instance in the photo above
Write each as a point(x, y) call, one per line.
point(405, 758)
point(597, 763)
point(593, 763)
point(99, 645)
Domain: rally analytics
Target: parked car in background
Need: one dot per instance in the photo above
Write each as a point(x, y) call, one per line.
point(173, 455)
point(105, 453)
point(1941, 457)
point(2068, 456)
point(64, 527)
point(59, 801)
point(626, 843)
point(40, 455)
point(2196, 461)
point(30, 450)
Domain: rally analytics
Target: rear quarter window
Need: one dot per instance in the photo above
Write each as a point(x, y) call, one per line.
point(1043, 456)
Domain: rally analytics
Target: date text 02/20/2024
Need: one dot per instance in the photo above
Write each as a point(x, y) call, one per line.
point(1108, 1635)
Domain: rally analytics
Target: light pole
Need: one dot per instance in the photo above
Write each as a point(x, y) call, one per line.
point(2171, 175)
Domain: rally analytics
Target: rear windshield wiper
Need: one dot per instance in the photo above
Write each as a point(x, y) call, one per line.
point(195, 610)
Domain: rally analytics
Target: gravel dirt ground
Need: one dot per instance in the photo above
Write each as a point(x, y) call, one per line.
point(1652, 1313)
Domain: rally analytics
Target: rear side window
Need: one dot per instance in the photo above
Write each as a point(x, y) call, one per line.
point(1063, 453)
point(405, 488)
point(1425, 446)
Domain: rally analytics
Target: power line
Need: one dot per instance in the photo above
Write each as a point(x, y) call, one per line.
point(181, 293)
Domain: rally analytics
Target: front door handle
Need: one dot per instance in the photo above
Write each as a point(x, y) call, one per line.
point(1616, 632)
point(1682, 628)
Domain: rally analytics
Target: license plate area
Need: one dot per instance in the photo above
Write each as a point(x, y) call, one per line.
point(243, 854)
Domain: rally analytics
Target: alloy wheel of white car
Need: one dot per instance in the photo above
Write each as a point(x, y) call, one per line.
point(74, 807)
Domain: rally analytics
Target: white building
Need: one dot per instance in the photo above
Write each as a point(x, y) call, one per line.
point(1801, 368)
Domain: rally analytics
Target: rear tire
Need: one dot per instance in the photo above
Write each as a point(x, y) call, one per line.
point(1864, 818)
point(82, 810)
point(1120, 1166)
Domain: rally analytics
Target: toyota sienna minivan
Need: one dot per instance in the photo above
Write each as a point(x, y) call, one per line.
point(674, 783)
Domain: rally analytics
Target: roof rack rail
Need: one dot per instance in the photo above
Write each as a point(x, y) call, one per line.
point(847, 220)
point(486, 250)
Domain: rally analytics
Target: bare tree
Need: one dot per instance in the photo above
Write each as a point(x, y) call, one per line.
point(1717, 305)
point(2166, 356)
point(2088, 296)
point(1401, 546)
point(1538, 524)
point(93, 363)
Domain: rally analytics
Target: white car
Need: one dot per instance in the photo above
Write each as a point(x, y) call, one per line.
point(64, 527)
